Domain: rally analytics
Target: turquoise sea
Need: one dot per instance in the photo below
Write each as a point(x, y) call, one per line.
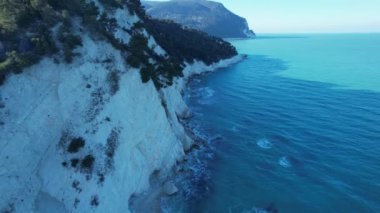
point(293, 128)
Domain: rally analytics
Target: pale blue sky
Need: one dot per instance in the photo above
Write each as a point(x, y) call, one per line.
point(308, 16)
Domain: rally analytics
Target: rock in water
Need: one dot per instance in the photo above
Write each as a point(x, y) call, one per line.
point(170, 188)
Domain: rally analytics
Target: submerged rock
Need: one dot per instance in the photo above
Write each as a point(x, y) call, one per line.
point(170, 188)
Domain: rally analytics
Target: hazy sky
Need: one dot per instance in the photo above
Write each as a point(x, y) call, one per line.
point(305, 16)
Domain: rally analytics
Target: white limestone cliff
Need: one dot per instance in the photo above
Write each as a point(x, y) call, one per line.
point(129, 128)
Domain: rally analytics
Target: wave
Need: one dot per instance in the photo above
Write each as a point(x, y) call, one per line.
point(235, 129)
point(193, 174)
point(271, 208)
point(203, 92)
point(264, 143)
point(255, 210)
point(285, 162)
point(203, 95)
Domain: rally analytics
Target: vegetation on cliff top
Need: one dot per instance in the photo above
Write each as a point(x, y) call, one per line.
point(181, 45)
point(27, 35)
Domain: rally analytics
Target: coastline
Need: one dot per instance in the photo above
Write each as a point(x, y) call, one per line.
point(150, 200)
point(142, 147)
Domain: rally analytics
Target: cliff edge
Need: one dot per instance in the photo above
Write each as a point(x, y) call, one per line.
point(90, 101)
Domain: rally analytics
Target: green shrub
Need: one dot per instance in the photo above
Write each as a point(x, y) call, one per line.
point(76, 144)
point(113, 81)
point(104, 28)
point(73, 40)
point(36, 17)
point(74, 162)
point(112, 4)
point(44, 42)
point(90, 14)
point(76, 186)
point(134, 61)
point(16, 62)
point(187, 44)
point(38, 3)
point(138, 25)
point(33, 19)
point(87, 164)
point(11, 13)
point(138, 42)
point(112, 142)
point(101, 178)
point(76, 202)
point(135, 7)
point(94, 201)
point(5, 66)
point(69, 41)
point(68, 55)
point(146, 73)
point(138, 46)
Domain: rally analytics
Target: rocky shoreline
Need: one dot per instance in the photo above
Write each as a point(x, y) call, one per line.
point(163, 186)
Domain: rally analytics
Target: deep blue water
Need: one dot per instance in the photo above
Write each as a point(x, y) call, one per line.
point(281, 140)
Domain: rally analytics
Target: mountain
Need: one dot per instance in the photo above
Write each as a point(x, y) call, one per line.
point(208, 16)
point(91, 101)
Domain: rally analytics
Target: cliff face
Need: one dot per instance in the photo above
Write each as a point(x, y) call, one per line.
point(85, 136)
point(208, 16)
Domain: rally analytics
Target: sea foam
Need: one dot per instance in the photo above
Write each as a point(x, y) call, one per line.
point(264, 143)
point(285, 162)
